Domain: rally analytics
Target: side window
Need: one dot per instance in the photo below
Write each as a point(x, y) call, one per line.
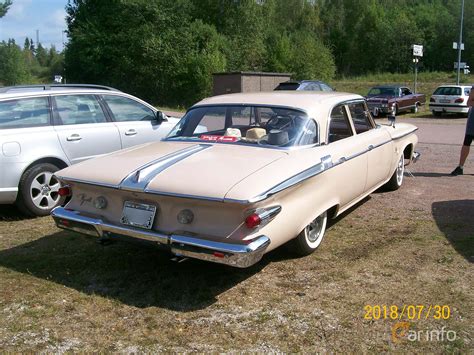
point(24, 113)
point(339, 127)
point(78, 109)
point(125, 109)
point(360, 117)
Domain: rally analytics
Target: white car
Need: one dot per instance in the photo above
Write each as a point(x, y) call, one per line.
point(450, 99)
point(46, 128)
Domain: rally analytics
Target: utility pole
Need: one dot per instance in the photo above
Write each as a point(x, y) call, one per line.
point(460, 44)
point(37, 38)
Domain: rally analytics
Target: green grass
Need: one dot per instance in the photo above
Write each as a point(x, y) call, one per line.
point(427, 82)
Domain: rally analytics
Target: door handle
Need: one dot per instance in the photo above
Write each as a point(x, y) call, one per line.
point(130, 132)
point(74, 137)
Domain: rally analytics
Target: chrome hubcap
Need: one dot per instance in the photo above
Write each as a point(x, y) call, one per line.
point(314, 232)
point(400, 170)
point(44, 190)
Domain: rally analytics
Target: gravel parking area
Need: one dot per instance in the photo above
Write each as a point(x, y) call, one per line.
point(61, 291)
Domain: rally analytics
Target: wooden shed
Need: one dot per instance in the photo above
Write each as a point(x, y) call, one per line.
point(226, 83)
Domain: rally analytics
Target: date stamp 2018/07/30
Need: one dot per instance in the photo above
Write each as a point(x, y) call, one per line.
point(407, 312)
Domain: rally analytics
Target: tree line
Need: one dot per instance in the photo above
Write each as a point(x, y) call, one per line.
point(165, 51)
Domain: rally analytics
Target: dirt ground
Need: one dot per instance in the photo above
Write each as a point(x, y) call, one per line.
point(61, 291)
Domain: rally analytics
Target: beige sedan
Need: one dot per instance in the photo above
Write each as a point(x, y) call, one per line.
point(240, 175)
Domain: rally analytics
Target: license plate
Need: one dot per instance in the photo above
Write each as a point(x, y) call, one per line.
point(444, 101)
point(138, 214)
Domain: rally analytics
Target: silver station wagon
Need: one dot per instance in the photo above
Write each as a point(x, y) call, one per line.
point(47, 128)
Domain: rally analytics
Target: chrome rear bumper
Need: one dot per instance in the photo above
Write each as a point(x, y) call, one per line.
point(233, 254)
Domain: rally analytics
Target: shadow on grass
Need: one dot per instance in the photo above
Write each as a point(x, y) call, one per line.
point(455, 220)
point(12, 213)
point(134, 274)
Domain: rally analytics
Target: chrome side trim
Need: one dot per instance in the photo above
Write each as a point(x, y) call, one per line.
point(86, 182)
point(325, 164)
point(139, 179)
point(405, 134)
point(243, 254)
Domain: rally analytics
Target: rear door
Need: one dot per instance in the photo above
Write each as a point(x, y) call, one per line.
point(377, 142)
point(83, 128)
point(349, 149)
point(135, 121)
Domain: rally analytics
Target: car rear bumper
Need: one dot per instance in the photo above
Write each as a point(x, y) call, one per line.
point(233, 254)
point(449, 108)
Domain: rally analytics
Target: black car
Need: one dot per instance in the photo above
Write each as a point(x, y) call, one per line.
point(306, 85)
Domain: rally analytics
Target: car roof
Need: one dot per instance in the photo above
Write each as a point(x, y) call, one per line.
point(316, 104)
point(388, 86)
point(36, 93)
point(455, 86)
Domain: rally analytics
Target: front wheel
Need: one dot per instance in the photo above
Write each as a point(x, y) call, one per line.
point(436, 113)
point(311, 236)
point(38, 190)
point(397, 178)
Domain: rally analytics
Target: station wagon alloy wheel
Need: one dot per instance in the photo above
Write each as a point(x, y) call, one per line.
point(44, 190)
point(39, 190)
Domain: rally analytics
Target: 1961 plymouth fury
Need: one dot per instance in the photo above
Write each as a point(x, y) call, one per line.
point(240, 175)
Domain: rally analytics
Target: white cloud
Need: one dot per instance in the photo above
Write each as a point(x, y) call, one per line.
point(18, 9)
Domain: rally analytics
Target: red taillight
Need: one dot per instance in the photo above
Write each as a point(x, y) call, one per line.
point(459, 101)
point(432, 100)
point(218, 254)
point(64, 191)
point(252, 220)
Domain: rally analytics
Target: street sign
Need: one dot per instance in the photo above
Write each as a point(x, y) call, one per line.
point(417, 50)
point(462, 65)
point(455, 45)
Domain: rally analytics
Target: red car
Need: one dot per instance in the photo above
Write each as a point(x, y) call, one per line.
point(393, 99)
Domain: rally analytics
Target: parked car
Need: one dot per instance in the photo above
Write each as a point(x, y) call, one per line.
point(450, 99)
point(270, 168)
point(46, 128)
point(305, 85)
point(393, 99)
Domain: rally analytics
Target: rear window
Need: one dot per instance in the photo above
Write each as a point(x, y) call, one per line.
point(287, 86)
point(22, 113)
point(448, 90)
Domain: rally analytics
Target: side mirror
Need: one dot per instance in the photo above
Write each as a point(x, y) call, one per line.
point(391, 119)
point(161, 117)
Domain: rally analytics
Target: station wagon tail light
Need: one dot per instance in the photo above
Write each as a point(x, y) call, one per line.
point(459, 101)
point(64, 191)
point(261, 216)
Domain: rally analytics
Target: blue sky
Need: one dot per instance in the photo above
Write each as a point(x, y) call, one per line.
point(27, 16)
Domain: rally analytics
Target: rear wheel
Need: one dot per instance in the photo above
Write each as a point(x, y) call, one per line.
point(397, 178)
point(415, 108)
point(38, 190)
point(311, 236)
point(436, 113)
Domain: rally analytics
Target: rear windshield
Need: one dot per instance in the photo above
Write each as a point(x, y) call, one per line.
point(287, 86)
point(448, 90)
point(250, 125)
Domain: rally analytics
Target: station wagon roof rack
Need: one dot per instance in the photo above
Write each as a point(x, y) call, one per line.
point(20, 88)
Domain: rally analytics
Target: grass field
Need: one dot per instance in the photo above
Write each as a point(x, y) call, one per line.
point(64, 292)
